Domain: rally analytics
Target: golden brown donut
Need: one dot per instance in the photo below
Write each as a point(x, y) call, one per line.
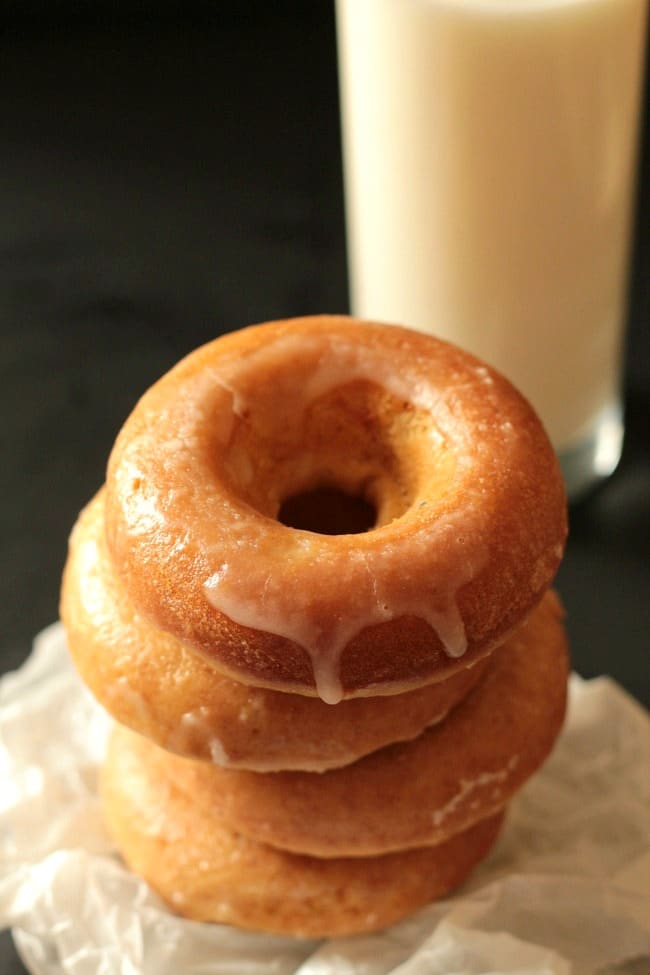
point(420, 792)
point(152, 684)
point(172, 838)
point(469, 501)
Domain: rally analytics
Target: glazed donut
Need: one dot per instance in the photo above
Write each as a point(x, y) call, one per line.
point(421, 792)
point(206, 872)
point(469, 523)
point(151, 683)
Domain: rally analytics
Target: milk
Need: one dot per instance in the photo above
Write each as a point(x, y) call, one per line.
point(489, 150)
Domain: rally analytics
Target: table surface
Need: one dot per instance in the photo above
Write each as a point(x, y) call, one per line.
point(165, 180)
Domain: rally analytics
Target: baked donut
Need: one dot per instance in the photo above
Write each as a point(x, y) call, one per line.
point(151, 683)
point(469, 509)
point(420, 792)
point(172, 838)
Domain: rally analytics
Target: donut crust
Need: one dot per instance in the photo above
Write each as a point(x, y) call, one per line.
point(460, 458)
point(420, 792)
point(148, 681)
point(207, 872)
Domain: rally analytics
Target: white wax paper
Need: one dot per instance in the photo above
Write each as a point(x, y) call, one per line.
point(566, 891)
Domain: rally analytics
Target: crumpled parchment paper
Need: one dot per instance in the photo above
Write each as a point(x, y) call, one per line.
point(566, 891)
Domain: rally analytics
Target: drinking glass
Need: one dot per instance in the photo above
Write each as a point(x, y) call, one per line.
point(489, 154)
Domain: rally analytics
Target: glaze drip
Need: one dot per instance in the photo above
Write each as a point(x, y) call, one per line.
point(374, 593)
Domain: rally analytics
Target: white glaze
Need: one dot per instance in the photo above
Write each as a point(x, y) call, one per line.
point(378, 587)
point(198, 723)
point(375, 578)
point(469, 786)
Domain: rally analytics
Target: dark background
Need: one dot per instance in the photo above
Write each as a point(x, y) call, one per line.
point(171, 172)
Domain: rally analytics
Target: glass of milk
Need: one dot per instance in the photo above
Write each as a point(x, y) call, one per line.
point(489, 155)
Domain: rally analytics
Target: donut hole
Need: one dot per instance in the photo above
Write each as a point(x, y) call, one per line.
point(328, 511)
point(350, 460)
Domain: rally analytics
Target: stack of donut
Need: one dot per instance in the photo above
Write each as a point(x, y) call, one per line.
point(314, 593)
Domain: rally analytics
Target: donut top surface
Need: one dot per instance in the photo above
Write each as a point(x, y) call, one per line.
point(468, 509)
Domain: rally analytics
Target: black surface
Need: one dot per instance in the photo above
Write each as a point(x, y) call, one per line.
point(164, 181)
